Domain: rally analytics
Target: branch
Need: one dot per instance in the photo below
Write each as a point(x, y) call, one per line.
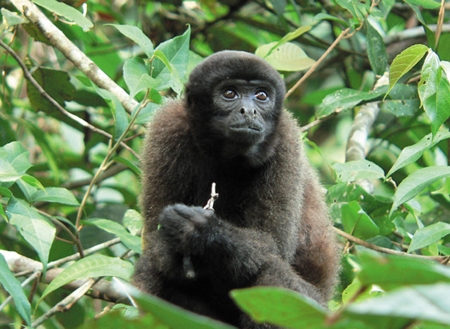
point(316, 64)
point(102, 289)
point(74, 54)
point(441, 259)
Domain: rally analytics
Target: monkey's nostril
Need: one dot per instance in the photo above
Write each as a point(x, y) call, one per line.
point(242, 111)
point(254, 112)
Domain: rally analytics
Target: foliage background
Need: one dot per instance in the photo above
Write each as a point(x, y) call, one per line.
point(70, 139)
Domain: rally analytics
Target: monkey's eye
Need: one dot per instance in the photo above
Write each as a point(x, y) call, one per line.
point(229, 93)
point(261, 95)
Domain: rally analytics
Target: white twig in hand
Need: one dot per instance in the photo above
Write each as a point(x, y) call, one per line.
point(214, 197)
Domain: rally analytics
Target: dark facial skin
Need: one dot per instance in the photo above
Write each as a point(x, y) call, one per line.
point(244, 119)
point(269, 226)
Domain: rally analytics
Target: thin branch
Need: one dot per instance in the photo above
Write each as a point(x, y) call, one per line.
point(349, 237)
point(319, 61)
point(74, 54)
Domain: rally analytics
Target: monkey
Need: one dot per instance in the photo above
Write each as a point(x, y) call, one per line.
point(269, 225)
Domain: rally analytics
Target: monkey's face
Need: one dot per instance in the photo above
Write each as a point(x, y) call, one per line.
point(233, 102)
point(244, 110)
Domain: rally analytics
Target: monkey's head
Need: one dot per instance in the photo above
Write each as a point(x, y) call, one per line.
point(234, 100)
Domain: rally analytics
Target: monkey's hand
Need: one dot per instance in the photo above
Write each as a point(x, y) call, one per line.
point(188, 230)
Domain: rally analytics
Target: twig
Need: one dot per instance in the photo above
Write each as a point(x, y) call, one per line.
point(214, 197)
point(66, 303)
point(349, 237)
point(316, 64)
point(74, 54)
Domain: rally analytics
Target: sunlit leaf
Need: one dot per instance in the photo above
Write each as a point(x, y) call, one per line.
point(91, 267)
point(281, 307)
point(287, 57)
point(417, 182)
point(411, 154)
point(429, 235)
point(354, 170)
point(424, 302)
point(66, 11)
point(404, 62)
point(136, 34)
point(429, 4)
point(55, 194)
point(36, 230)
point(344, 99)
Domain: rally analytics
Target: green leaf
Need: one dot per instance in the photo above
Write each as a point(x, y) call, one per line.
point(13, 287)
point(428, 84)
point(176, 51)
point(130, 241)
point(91, 267)
point(429, 235)
point(7, 172)
point(404, 62)
point(279, 6)
point(390, 272)
point(174, 316)
point(35, 229)
point(411, 154)
point(417, 182)
point(33, 182)
point(266, 50)
point(11, 18)
point(357, 223)
point(132, 220)
point(356, 8)
point(281, 307)
point(428, 4)
point(136, 77)
point(129, 164)
point(136, 34)
point(287, 57)
point(70, 13)
point(344, 99)
point(353, 170)
point(56, 83)
point(55, 194)
point(376, 49)
point(424, 302)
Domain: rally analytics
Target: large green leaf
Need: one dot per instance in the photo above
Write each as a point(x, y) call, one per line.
point(429, 235)
point(411, 154)
point(286, 57)
point(429, 4)
point(281, 307)
point(353, 170)
point(136, 34)
point(390, 272)
point(55, 194)
point(345, 99)
point(174, 316)
point(357, 222)
point(404, 62)
point(37, 231)
point(13, 287)
point(136, 76)
point(417, 182)
point(424, 302)
point(176, 51)
point(70, 13)
point(91, 267)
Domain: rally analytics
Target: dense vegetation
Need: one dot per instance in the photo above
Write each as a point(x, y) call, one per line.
point(368, 81)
